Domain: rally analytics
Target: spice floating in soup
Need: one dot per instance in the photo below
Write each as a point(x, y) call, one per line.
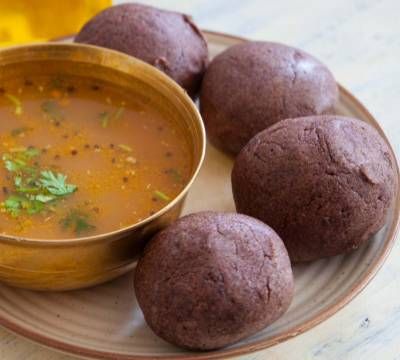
point(80, 158)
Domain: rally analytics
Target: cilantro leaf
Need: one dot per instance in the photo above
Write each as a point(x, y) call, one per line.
point(125, 147)
point(13, 205)
point(78, 221)
point(118, 113)
point(34, 207)
point(17, 161)
point(174, 174)
point(31, 152)
point(55, 183)
point(16, 102)
point(106, 117)
point(35, 189)
point(18, 181)
point(21, 130)
point(162, 195)
point(44, 198)
point(52, 109)
point(28, 185)
point(13, 165)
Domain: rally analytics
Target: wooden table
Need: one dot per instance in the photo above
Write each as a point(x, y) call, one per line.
point(360, 42)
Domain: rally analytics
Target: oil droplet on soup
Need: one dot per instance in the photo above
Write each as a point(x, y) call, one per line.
point(81, 157)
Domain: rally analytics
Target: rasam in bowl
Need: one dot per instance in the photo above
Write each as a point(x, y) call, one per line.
point(98, 152)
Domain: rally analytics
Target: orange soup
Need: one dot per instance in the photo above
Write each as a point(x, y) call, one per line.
point(81, 157)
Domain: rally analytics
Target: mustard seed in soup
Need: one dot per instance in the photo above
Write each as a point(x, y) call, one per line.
point(80, 158)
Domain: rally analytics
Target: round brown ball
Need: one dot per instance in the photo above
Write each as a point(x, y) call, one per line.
point(211, 279)
point(167, 40)
point(324, 183)
point(253, 85)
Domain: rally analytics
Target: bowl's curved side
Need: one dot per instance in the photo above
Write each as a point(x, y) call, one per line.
point(65, 264)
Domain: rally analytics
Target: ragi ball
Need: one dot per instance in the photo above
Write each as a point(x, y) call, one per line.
point(211, 279)
point(324, 183)
point(253, 85)
point(167, 40)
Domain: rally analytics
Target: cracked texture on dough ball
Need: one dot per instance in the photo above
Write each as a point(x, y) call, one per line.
point(253, 85)
point(211, 279)
point(324, 183)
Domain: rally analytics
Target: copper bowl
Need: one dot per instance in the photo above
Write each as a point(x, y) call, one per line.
point(64, 264)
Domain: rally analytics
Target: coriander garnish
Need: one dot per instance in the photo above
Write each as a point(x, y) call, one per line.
point(175, 174)
point(16, 102)
point(106, 117)
point(55, 183)
point(161, 195)
point(14, 204)
point(118, 113)
point(35, 189)
point(19, 131)
point(125, 147)
point(78, 221)
point(52, 109)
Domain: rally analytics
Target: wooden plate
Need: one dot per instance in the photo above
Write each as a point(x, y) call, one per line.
point(105, 322)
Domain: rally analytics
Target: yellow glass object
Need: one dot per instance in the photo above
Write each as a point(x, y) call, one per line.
point(25, 21)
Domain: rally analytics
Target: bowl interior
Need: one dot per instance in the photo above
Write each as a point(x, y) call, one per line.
point(143, 81)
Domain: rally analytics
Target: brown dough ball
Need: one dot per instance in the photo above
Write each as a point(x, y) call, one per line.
point(324, 183)
point(211, 279)
point(253, 85)
point(167, 40)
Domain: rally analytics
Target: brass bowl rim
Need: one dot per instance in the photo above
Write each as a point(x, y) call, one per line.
point(174, 89)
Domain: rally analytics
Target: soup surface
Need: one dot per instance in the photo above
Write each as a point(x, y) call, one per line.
point(80, 157)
